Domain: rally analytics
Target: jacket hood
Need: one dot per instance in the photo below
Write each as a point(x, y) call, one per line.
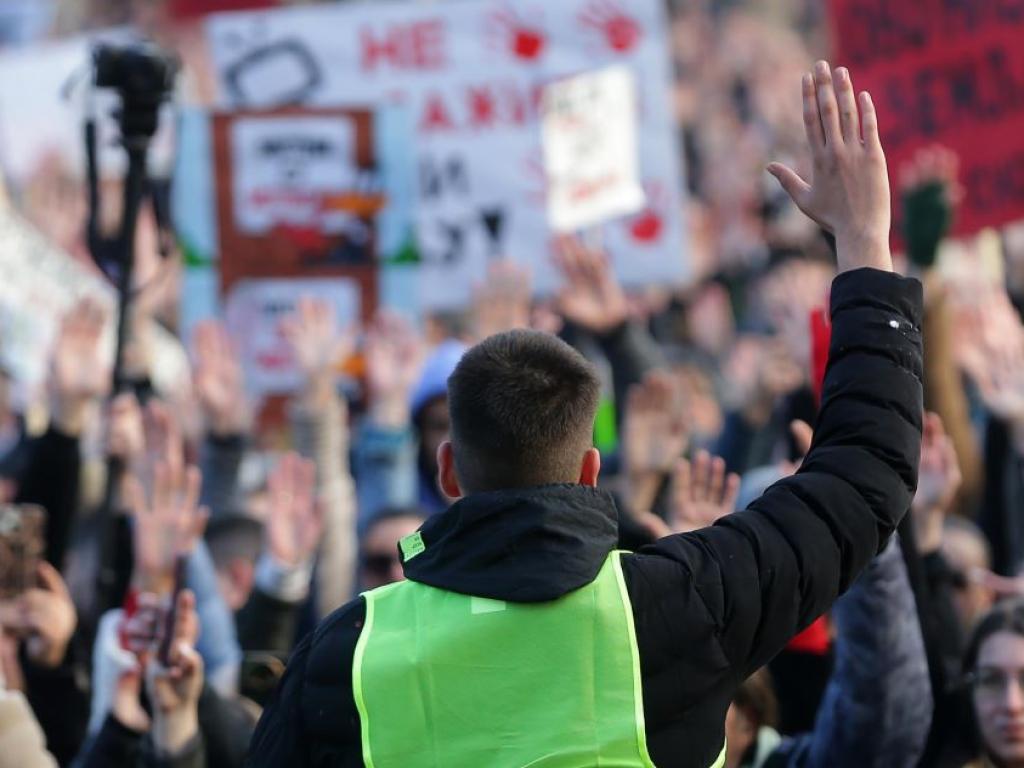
point(524, 546)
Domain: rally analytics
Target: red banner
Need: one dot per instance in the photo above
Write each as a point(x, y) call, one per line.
point(947, 72)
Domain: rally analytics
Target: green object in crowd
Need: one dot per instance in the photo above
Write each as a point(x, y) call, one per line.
point(606, 434)
point(927, 218)
point(191, 255)
point(408, 253)
point(445, 679)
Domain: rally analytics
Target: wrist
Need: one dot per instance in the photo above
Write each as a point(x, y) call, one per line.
point(643, 490)
point(863, 249)
point(318, 389)
point(69, 414)
point(174, 731)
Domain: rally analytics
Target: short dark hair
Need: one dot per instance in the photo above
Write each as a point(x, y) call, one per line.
point(522, 407)
point(233, 536)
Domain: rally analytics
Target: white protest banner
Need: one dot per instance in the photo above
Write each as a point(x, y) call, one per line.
point(590, 154)
point(254, 310)
point(38, 284)
point(470, 75)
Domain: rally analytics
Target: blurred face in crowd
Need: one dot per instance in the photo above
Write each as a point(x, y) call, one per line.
point(966, 552)
point(379, 562)
point(999, 697)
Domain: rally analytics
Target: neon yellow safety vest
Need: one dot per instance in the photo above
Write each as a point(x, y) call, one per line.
point(445, 680)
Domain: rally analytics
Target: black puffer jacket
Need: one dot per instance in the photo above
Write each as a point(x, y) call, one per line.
point(710, 607)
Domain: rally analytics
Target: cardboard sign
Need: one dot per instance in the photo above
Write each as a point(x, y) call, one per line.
point(949, 73)
point(590, 152)
point(287, 168)
point(253, 313)
point(469, 77)
point(297, 196)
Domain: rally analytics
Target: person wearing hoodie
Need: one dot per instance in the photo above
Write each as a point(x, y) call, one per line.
point(521, 636)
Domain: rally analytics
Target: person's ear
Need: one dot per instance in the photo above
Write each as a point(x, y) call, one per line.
point(446, 471)
point(591, 468)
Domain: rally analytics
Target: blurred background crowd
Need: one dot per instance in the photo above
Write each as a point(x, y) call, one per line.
point(711, 393)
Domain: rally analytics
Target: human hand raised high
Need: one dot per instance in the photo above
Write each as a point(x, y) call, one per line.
point(938, 482)
point(48, 618)
point(702, 493)
point(848, 193)
point(318, 345)
point(591, 296)
point(394, 354)
point(167, 521)
point(295, 523)
point(174, 689)
point(219, 380)
point(77, 375)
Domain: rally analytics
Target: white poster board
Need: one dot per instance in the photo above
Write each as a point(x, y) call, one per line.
point(283, 167)
point(254, 310)
point(470, 75)
point(590, 152)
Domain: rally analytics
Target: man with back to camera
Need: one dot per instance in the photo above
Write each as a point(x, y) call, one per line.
point(522, 638)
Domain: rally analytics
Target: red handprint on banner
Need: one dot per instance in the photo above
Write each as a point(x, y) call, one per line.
point(620, 31)
point(647, 227)
point(523, 40)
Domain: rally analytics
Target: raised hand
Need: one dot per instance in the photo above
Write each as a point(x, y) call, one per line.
point(848, 193)
point(938, 481)
point(702, 493)
point(502, 301)
point(49, 618)
point(318, 346)
point(655, 435)
point(175, 689)
point(295, 523)
point(166, 522)
point(219, 380)
point(591, 297)
point(394, 356)
point(126, 437)
point(77, 376)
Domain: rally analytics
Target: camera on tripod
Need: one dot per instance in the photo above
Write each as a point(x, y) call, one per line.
point(144, 76)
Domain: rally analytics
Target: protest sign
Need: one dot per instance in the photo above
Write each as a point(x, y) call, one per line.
point(254, 309)
point(469, 77)
point(297, 195)
point(949, 73)
point(590, 152)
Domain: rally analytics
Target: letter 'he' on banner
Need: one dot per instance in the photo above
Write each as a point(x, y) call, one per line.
point(589, 130)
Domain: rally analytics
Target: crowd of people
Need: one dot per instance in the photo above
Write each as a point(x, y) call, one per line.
point(159, 625)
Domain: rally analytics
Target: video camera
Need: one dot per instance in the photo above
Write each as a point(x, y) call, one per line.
point(143, 75)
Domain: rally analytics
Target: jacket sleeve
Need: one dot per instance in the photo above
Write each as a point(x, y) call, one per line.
point(880, 683)
point(50, 480)
point(766, 573)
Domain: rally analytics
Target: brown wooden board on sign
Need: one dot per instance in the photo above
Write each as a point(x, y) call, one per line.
point(293, 252)
point(284, 252)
